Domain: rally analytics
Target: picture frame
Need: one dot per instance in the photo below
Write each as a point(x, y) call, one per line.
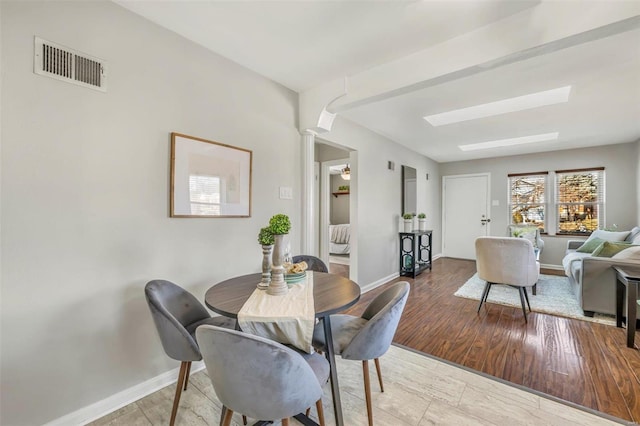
point(209, 179)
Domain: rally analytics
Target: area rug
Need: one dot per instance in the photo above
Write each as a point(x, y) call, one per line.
point(553, 297)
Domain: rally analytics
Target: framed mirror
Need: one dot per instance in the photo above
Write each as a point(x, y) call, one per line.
point(209, 179)
point(409, 190)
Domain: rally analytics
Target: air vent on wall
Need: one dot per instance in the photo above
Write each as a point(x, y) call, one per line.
point(59, 62)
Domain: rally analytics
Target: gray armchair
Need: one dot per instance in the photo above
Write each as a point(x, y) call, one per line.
point(509, 261)
point(176, 314)
point(368, 336)
point(261, 378)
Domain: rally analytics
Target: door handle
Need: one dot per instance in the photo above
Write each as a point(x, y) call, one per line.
point(485, 221)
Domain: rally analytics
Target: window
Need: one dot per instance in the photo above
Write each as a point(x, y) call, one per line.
point(204, 195)
point(580, 200)
point(527, 198)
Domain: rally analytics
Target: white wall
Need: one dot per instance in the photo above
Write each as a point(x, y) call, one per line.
point(638, 181)
point(620, 162)
point(339, 212)
point(85, 198)
point(376, 193)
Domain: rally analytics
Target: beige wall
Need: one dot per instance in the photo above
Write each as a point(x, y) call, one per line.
point(85, 185)
point(620, 162)
point(339, 212)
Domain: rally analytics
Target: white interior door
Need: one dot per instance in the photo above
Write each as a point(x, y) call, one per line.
point(465, 214)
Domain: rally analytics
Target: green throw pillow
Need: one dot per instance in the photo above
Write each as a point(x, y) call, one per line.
point(590, 245)
point(610, 249)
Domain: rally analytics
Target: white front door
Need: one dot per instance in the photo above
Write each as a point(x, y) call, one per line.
point(465, 213)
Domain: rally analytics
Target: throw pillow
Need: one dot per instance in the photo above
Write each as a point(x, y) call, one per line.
point(590, 245)
point(608, 235)
point(610, 249)
point(632, 253)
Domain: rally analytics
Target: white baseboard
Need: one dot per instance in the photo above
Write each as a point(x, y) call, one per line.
point(553, 267)
point(379, 282)
point(114, 402)
point(437, 256)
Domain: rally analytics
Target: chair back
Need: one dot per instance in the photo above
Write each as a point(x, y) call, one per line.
point(313, 263)
point(383, 315)
point(506, 260)
point(173, 308)
point(257, 377)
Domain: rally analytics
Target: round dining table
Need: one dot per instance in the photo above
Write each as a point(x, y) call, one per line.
point(331, 294)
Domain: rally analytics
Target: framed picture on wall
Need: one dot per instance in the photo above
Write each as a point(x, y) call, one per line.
point(209, 179)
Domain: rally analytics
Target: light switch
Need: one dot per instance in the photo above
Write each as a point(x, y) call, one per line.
point(495, 202)
point(286, 193)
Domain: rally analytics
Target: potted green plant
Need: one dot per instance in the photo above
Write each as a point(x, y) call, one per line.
point(422, 221)
point(266, 240)
point(279, 225)
point(408, 222)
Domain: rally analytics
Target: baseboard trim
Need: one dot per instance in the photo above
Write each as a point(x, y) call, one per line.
point(114, 402)
point(379, 282)
point(553, 267)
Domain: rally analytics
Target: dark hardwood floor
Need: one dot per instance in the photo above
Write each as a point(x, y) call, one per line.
point(583, 362)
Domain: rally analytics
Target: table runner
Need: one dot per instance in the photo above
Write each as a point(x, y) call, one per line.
point(287, 319)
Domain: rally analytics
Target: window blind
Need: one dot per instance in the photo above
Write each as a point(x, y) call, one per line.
point(580, 200)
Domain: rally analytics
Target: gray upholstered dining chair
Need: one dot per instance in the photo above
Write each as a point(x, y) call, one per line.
point(176, 314)
point(261, 378)
point(368, 336)
point(507, 260)
point(313, 263)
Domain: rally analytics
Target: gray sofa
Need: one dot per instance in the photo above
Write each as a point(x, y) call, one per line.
point(592, 279)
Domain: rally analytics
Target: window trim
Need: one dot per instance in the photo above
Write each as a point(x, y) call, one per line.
point(600, 204)
point(545, 202)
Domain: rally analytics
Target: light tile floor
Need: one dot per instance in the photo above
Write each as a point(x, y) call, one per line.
point(419, 391)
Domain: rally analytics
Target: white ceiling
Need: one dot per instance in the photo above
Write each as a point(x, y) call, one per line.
point(302, 44)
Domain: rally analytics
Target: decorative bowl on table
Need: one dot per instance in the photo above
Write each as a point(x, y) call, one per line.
point(296, 272)
point(296, 277)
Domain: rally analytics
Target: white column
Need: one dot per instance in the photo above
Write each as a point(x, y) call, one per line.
point(308, 203)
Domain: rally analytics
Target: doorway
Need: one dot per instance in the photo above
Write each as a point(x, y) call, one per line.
point(334, 209)
point(465, 213)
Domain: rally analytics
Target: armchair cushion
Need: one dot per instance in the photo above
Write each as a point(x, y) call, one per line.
point(630, 254)
point(590, 245)
point(608, 235)
point(610, 249)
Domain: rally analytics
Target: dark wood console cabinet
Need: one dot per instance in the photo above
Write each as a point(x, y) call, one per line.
point(415, 252)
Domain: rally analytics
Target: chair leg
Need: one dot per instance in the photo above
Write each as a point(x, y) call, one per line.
point(367, 390)
point(320, 411)
point(306, 413)
point(377, 361)
point(244, 420)
point(485, 293)
point(228, 413)
point(535, 289)
point(524, 311)
point(285, 422)
point(186, 377)
point(526, 296)
point(176, 398)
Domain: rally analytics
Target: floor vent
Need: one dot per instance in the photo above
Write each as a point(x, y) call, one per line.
point(59, 62)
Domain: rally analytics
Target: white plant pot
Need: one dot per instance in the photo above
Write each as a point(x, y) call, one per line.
point(408, 225)
point(278, 286)
point(422, 224)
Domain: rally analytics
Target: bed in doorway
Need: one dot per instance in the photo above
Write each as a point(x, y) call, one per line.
point(339, 236)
